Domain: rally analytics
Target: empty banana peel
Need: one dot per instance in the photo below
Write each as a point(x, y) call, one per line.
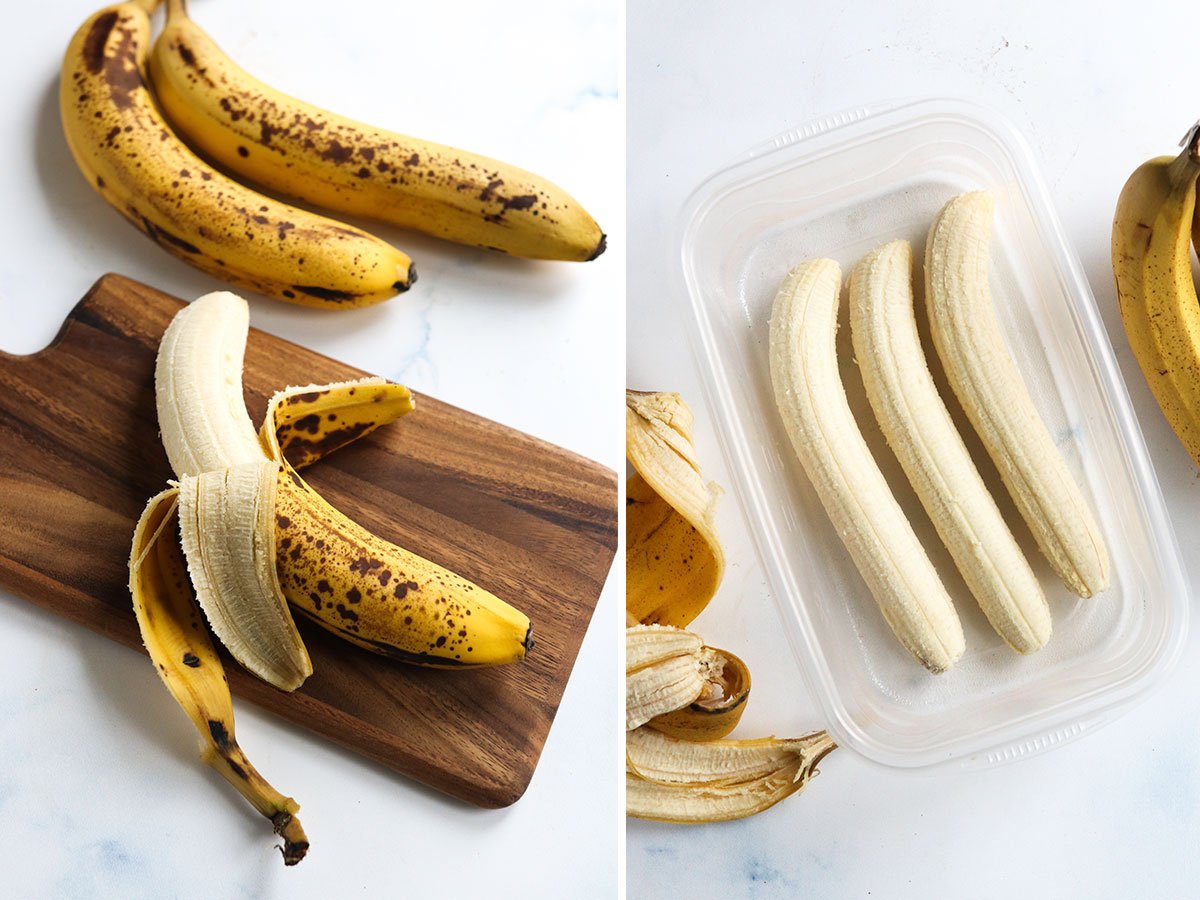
point(174, 633)
point(681, 687)
point(673, 558)
point(669, 780)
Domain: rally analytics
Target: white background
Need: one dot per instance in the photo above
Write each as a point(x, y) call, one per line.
point(101, 791)
point(1113, 815)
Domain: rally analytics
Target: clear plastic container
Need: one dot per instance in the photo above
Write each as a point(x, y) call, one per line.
point(838, 188)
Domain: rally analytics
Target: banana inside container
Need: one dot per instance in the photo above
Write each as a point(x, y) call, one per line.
point(812, 403)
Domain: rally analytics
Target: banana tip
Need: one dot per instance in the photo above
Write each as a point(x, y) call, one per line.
point(408, 281)
point(529, 638)
point(600, 248)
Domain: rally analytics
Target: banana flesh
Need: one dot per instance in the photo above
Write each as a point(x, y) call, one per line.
point(921, 433)
point(174, 634)
point(989, 387)
point(1155, 290)
point(674, 560)
point(825, 437)
point(203, 420)
point(226, 520)
point(669, 780)
point(129, 154)
point(680, 686)
point(304, 151)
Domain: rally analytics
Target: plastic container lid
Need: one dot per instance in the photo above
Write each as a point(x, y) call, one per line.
point(837, 188)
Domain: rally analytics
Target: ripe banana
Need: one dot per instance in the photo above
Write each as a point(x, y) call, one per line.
point(358, 586)
point(129, 154)
point(920, 432)
point(1157, 296)
point(673, 558)
point(681, 687)
point(812, 403)
point(668, 780)
point(174, 635)
point(989, 387)
point(298, 149)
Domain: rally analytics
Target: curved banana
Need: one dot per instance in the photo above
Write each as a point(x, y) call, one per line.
point(921, 433)
point(989, 387)
point(668, 780)
point(129, 154)
point(299, 149)
point(674, 560)
point(364, 589)
point(812, 403)
point(189, 666)
point(1157, 296)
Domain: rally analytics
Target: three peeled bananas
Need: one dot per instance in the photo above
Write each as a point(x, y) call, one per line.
point(682, 697)
point(142, 124)
point(826, 438)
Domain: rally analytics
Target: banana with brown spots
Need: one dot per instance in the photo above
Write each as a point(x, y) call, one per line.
point(129, 154)
point(323, 158)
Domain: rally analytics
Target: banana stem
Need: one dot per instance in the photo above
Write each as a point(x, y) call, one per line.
point(228, 759)
point(148, 5)
point(176, 9)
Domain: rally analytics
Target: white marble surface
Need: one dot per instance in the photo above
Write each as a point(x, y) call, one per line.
point(1112, 815)
point(101, 793)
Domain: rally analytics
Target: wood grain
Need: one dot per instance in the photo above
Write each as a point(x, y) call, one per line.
point(534, 524)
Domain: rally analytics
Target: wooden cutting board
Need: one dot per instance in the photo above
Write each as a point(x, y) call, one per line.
point(534, 524)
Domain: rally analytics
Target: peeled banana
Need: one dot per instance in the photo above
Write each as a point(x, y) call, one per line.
point(254, 533)
point(681, 687)
point(989, 387)
point(812, 403)
point(674, 560)
point(129, 154)
point(921, 433)
point(362, 588)
point(1152, 263)
point(304, 151)
point(669, 780)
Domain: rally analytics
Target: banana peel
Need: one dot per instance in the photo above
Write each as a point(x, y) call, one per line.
point(674, 561)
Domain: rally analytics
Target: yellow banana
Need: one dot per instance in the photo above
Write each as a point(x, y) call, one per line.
point(673, 558)
point(304, 151)
point(129, 154)
point(189, 666)
point(1151, 260)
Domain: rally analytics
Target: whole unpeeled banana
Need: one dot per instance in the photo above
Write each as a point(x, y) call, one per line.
point(133, 159)
point(307, 152)
point(1151, 258)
